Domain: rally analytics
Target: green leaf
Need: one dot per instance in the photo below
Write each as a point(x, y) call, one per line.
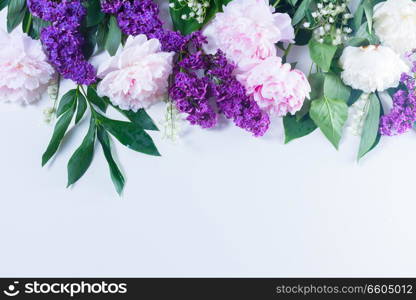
point(82, 158)
point(293, 2)
point(140, 118)
point(130, 135)
point(95, 99)
point(67, 101)
point(363, 33)
point(15, 14)
point(114, 37)
point(3, 4)
point(368, 10)
point(304, 111)
point(94, 14)
point(316, 81)
point(102, 34)
point(330, 115)
point(37, 26)
point(358, 17)
point(296, 129)
point(355, 95)
point(371, 126)
point(27, 22)
point(322, 54)
point(116, 175)
point(82, 107)
point(303, 37)
point(301, 11)
point(357, 42)
point(58, 134)
point(334, 88)
point(90, 40)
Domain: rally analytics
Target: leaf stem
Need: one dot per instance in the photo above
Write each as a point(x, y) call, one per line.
point(29, 24)
point(276, 3)
point(93, 112)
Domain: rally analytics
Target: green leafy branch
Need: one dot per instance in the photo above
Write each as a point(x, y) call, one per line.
point(131, 134)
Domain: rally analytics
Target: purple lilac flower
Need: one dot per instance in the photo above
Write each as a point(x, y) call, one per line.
point(232, 100)
point(136, 17)
point(403, 114)
point(191, 96)
point(62, 40)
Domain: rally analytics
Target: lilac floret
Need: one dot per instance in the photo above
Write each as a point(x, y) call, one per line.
point(403, 114)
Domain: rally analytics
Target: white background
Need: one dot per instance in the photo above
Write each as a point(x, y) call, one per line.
point(219, 203)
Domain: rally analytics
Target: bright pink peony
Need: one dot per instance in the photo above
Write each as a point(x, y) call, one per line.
point(276, 88)
point(138, 75)
point(24, 70)
point(248, 30)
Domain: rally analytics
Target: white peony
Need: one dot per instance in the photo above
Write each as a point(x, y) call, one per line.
point(138, 75)
point(395, 24)
point(24, 70)
point(371, 68)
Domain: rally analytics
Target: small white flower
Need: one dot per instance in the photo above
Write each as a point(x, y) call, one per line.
point(371, 68)
point(306, 24)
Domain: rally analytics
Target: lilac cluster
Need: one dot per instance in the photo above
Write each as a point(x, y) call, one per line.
point(62, 40)
point(403, 114)
point(136, 17)
point(191, 96)
point(192, 93)
point(232, 100)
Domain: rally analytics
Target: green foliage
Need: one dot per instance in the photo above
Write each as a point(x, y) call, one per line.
point(301, 11)
point(81, 160)
point(370, 135)
point(58, 134)
point(322, 54)
point(116, 175)
point(15, 13)
point(295, 128)
point(330, 115)
point(113, 40)
point(94, 14)
point(190, 25)
point(3, 4)
point(67, 102)
point(334, 88)
point(132, 134)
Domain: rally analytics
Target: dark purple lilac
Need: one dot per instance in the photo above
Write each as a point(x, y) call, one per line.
point(191, 96)
point(403, 114)
point(136, 17)
point(232, 100)
point(62, 40)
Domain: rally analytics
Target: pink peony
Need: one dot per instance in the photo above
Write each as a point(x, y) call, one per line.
point(138, 75)
point(24, 70)
point(248, 30)
point(276, 88)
